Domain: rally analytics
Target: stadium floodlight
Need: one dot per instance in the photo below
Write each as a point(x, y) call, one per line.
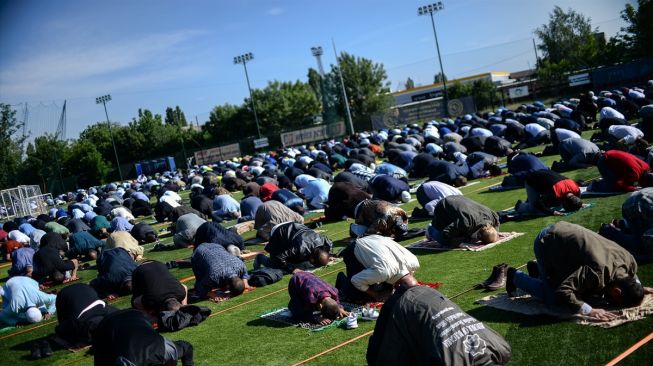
point(429, 10)
point(103, 100)
point(244, 59)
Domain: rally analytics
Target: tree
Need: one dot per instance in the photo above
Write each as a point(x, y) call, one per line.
point(458, 90)
point(410, 84)
point(175, 117)
point(568, 40)
point(285, 105)
point(44, 162)
point(439, 78)
point(635, 40)
point(87, 162)
point(222, 120)
point(11, 147)
point(484, 93)
point(366, 85)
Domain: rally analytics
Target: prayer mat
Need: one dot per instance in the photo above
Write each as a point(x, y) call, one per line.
point(473, 247)
point(584, 193)
point(249, 254)
point(220, 296)
point(74, 348)
point(528, 305)
point(49, 284)
point(512, 214)
point(243, 227)
point(284, 316)
point(502, 188)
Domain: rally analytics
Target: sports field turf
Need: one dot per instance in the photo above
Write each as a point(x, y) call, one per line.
point(234, 335)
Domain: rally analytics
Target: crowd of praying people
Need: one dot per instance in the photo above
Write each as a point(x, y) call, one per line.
point(364, 178)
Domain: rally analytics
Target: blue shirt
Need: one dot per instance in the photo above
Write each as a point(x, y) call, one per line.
point(213, 266)
point(21, 258)
point(21, 293)
point(248, 207)
point(225, 204)
point(317, 192)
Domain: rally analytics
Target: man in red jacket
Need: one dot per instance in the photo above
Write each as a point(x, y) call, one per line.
point(620, 171)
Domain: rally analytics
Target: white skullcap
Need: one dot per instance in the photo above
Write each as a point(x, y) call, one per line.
point(33, 315)
point(405, 196)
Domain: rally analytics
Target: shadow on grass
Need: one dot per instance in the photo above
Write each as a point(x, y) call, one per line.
point(488, 314)
point(261, 322)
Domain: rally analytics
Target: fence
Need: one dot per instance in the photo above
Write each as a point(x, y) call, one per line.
point(23, 201)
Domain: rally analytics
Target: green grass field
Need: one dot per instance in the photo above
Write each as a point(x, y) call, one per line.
point(235, 335)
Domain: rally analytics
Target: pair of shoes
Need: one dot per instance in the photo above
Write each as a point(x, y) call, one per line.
point(497, 278)
point(510, 282)
point(172, 264)
point(352, 321)
point(40, 349)
point(533, 269)
point(370, 314)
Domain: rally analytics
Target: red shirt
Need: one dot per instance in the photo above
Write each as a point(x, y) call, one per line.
point(627, 168)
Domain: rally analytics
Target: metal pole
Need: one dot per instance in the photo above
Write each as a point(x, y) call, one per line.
point(104, 103)
point(537, 59)
point(344, 92)
point(251, 97)
point(444, 79)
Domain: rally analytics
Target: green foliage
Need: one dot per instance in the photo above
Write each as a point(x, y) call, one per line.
point(84, 160)
point(568, 43)
point(175, 117)
point(483, 91)
point(410, 84)
point(366, 86)
point(439, 77)
point(285, 105)
point(11, 147)
point(44, 160)
point(635, 40)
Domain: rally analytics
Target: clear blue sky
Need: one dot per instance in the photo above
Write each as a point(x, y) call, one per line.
point(153, 54)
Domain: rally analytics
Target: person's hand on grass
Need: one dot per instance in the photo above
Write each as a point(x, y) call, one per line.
point(324, 321)
point(648, 290)
point(601, 314)
point(47, 316)
point(558, 213)
point(296, 270)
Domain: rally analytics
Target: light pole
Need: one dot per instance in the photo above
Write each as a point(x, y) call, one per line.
point(103, 100)
point(344, 91)
point(243, 59)
point(430, 9)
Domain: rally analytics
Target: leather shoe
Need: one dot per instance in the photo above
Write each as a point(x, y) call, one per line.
point(510, 282)
point(497, 279)
point(533, 270)
point(46, 350)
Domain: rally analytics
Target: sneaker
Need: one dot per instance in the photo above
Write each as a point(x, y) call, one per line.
point(352, 321)
point(510, 282)
point(370, 314)
point(499, 279)
point(46, 350)
point(533, 270)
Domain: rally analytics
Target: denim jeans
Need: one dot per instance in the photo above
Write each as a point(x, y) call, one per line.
point(434, 234)
point(536, 287)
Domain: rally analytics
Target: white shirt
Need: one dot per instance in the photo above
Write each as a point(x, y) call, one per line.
point(628, 133)
point(478, 131)
point(122, 212)
point(436, 191)
point(384, 260)
point(564, 134)
point(533, 129)
point(610, 112)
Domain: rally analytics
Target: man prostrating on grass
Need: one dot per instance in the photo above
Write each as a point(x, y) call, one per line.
point(575, 265)
point(308, 293)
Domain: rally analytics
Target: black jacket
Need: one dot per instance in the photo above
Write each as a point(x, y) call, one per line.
point(419, 326)
point(292, 243)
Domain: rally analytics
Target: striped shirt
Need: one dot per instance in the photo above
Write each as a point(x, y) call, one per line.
point(213, 266)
